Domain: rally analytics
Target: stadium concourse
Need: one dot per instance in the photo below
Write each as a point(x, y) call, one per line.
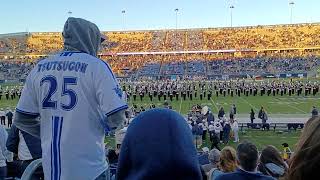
point(218, 78)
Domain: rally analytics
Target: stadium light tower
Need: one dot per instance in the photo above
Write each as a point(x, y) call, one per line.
point(69, 13)
point(291, 4)
point(231, 14)
point(176, 34)
point(124, 19)
point(176, 11)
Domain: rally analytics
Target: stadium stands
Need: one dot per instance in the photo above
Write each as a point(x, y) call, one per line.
point(263, 49)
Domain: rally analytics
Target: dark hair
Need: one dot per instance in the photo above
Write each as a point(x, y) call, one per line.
point(271, 154)
point(247, 155)
point(305, 163)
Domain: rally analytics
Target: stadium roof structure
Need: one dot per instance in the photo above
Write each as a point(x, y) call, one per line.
point(14, 34)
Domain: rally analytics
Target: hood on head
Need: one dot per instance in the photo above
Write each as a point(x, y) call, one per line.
point(158, 145)
point(82, 35)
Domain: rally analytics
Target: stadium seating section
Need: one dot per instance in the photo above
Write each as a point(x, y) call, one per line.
point(278, 48)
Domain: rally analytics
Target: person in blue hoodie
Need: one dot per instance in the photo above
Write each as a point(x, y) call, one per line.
point(158, 145)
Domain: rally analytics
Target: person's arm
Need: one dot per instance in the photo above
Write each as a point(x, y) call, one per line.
point(109, 96)
point(27, 111)
point(13, 140)
point(28, 123)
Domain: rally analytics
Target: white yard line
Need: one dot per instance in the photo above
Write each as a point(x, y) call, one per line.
point(292, 106)
point(215, 105)
point(252, 106)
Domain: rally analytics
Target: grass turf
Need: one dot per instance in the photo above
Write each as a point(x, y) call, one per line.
point(274, 105)
point(259, 138)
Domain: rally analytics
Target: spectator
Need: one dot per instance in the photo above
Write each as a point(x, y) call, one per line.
point(228, 163)
point(271, 163)
point(235, 130)
point(72, 130)
point(314, 112)
point(260, 112)
point(252, 116)
point(226, 132)
point(215, 142)
point(305, 162)
point(27, 147)
point(211, 130)
point(167, 152)
point(247, 156)
point(232, 113)
point(221, 113)
point(214, 158)
point(2, 117)
point(234, 109)
point(4, 154)
point(9, 117)
point(217, 129)
point(286, 151)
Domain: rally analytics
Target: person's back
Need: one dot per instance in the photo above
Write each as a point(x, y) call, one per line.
point(247, 156)
point(73, 92)
point(164, 150)
point(243, 175)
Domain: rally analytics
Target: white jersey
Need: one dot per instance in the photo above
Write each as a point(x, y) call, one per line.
point(73, 93)
point(217, 127)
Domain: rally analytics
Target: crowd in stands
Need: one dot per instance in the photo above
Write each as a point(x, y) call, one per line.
point(14, 70)
point(13, 45)
point(263, 65)
point(159, 65)
point(241, 38)
point(261, 47)
point(44, 43)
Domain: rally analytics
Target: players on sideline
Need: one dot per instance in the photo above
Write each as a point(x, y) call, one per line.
point(77, 101)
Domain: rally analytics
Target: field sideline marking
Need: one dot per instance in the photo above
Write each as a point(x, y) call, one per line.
point(215, 105)
point(249, 103)
point(291, 106)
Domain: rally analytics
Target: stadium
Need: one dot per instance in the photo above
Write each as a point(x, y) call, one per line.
point(264, 77)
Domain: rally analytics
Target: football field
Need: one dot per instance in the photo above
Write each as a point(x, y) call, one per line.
point(285, 107)
point(280, 106)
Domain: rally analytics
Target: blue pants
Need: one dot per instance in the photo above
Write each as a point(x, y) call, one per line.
point(3, 172)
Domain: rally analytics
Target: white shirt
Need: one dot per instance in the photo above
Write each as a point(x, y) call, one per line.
point(211, 128)
point(23, 150)
point(2, 113)
point(235, 126)
point(217, 127)
point(3, 148)
point(73, 93)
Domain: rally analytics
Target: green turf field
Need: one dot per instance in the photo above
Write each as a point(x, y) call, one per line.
point(259, 138)
point(273, 104)
point(292, 106)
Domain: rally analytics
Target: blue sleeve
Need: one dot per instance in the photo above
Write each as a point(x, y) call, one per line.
point(13, 140)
